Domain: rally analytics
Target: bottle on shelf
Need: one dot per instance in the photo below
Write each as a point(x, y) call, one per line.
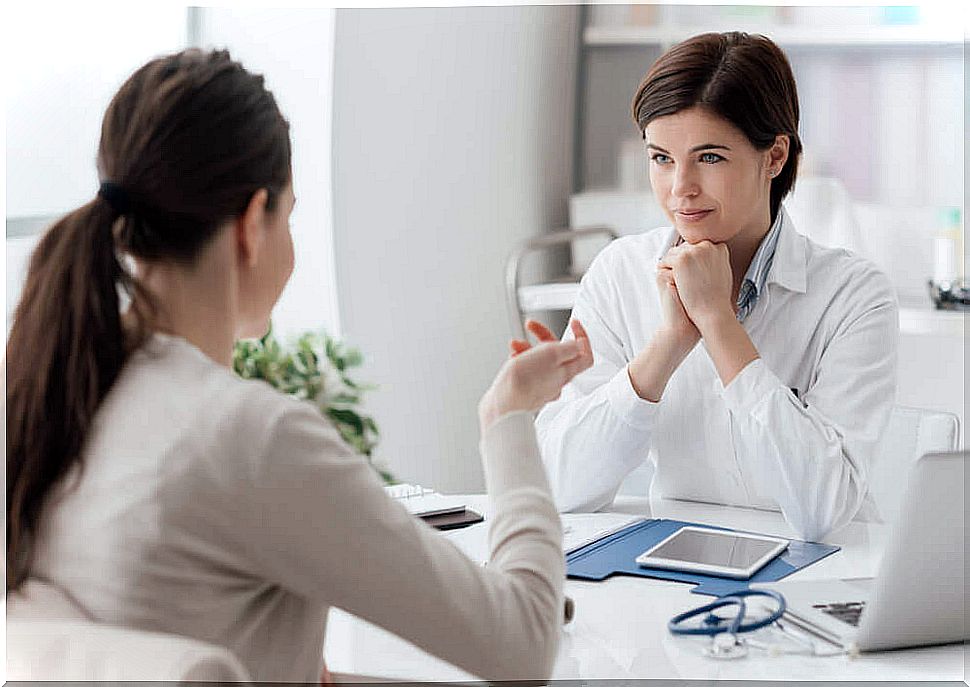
point(948, 253)
point(948, 288)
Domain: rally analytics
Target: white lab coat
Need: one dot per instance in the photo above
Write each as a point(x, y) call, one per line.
point(825, 324)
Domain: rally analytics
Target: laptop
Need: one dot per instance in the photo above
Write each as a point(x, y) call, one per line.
point(918, 596)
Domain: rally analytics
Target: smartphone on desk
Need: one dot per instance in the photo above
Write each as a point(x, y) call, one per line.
point(453, 520)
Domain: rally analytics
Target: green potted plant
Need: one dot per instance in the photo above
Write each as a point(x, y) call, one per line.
point(315, 367)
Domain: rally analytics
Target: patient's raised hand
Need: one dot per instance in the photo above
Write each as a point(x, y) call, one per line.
point(535, 375)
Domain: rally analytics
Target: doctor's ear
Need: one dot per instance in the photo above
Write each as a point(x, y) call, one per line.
point(250, 227)
point(777, 155)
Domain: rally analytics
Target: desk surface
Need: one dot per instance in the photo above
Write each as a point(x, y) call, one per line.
point(619, 630)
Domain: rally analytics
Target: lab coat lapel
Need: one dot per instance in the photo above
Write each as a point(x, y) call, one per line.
point(789, 266)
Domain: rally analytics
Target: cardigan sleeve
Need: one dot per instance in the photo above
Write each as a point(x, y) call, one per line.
point(322, 525)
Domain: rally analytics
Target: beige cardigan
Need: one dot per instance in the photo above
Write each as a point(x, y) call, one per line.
point(219, 509)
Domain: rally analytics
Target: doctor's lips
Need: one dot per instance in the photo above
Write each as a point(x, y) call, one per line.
point(692, 214)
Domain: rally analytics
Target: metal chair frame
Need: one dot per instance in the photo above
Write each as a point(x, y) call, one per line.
point(513, 287)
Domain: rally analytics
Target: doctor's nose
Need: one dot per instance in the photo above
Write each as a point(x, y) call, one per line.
point(684, 184)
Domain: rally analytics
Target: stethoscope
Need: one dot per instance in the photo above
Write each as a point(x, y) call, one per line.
point(724, 632)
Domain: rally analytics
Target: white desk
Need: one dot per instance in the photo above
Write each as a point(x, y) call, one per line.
point(619, 630)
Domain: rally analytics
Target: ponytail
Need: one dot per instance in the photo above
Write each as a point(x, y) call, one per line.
point(65, 350)
point(173, 172)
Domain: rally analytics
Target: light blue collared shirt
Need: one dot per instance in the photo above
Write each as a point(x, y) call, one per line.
point(757, 274)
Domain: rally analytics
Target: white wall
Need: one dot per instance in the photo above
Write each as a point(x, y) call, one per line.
point(57, 98)
point(293, 49)
point(62, 74)
point(453, 139)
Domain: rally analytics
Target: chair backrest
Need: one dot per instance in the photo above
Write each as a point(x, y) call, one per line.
point(50, 639)
point(560, 294)
point(911, 433)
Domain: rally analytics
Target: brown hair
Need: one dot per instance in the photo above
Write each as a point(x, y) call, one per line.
point(746, 79)
point(185, 143)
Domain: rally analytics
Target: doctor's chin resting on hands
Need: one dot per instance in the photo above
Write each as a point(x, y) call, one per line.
point(747, 364)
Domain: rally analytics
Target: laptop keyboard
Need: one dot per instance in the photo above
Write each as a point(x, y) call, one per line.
point(846, 612)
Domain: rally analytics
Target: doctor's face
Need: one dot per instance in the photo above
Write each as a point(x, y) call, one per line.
point(712, 182)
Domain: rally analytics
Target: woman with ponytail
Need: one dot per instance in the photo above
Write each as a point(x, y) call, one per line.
point(157, 490)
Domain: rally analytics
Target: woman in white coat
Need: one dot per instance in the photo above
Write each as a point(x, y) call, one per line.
point(783, 402)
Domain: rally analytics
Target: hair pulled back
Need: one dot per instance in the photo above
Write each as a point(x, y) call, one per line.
point(185, 143)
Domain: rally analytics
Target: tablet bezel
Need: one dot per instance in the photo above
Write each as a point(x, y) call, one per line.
point(647, 560)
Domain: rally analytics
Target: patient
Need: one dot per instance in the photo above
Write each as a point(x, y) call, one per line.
point(161, 492)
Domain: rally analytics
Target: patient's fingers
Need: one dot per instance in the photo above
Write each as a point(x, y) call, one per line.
point(580, 333)
point(517, 346)
point(570, 370)
point(540, 331)
point(583, 361)
point(565, 351)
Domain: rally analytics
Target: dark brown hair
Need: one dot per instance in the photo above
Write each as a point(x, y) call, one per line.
point(746, 79)
point(185, 143)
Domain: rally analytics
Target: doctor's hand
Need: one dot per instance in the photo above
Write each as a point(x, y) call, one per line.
point(703, 279)
point(678, 328)
point(652, 367)
point(535, 375)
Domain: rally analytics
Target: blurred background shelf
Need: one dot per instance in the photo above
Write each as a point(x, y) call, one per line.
point(932, 322)
point(912, 320)
point(842, 36)
point(558, 296)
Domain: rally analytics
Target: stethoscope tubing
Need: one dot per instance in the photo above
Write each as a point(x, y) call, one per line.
point(737, 626)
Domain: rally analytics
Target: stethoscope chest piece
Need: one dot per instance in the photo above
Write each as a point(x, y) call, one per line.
point(726, 646)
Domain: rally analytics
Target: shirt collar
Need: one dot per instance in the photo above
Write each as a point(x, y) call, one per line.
point(787, 265)
point(763, 258)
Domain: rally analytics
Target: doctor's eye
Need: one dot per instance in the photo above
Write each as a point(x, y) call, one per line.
point(660, 158)
point(711, 158)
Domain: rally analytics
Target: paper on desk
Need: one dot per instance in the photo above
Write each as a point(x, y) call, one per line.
point(423, 502)
point(579, 529)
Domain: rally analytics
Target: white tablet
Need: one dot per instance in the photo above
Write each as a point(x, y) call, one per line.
point(713, 552)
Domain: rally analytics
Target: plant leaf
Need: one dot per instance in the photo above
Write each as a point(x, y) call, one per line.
point(304, 368)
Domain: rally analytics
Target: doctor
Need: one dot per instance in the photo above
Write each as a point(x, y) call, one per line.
point(783, 402)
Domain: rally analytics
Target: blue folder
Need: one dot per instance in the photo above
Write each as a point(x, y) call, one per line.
point(617, 553)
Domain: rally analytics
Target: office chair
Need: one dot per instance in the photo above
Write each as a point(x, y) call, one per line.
point(911, 433)
point(557, 294)
point(50, 639)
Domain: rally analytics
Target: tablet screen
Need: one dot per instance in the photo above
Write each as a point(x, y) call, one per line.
point(713, 548)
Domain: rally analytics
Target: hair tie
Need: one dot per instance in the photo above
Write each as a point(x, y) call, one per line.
point(116, 196)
